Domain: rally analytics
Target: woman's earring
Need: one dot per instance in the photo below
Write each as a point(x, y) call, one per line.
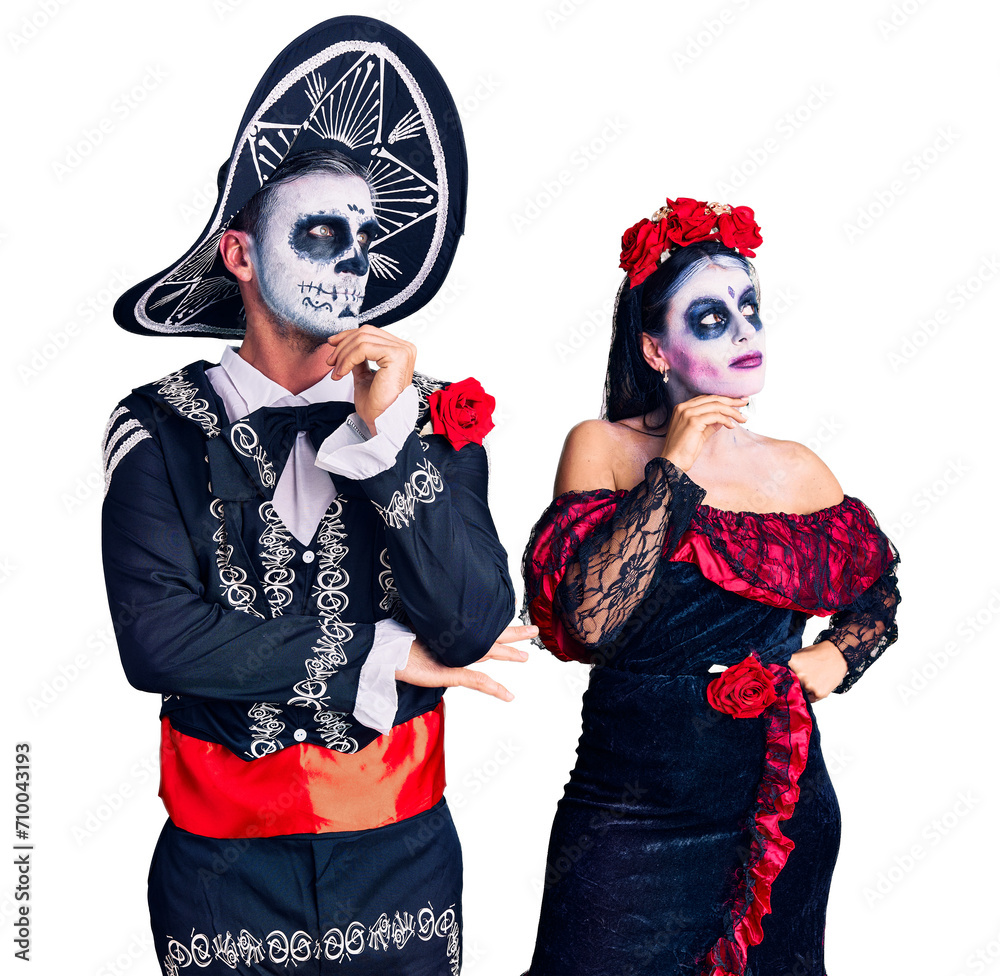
point(665, 373)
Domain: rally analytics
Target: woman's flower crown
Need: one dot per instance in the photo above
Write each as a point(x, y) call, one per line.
point(682, 222)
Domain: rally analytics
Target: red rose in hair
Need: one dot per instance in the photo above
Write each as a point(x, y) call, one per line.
point(739, 231)
point(682, 222)
point(692, 221)
point(642, 245)
point(463, 412)
point(744, 690)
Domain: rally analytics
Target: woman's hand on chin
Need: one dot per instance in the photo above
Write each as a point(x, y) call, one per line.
point(819, 668)
point(694, 421)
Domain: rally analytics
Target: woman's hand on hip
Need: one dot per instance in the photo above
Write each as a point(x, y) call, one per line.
point(819, 668)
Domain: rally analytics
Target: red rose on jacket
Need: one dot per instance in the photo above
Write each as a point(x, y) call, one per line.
point(744, 690)
point(463, 412)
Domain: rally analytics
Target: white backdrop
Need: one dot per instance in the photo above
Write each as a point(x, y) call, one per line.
point(864, 134)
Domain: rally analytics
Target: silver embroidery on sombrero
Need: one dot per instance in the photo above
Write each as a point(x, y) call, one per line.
point(382, 265)
point(408, 127)
point(194, 290)
point(183, 396)
point(244, 438)
point(348, 110)
point(351, 111)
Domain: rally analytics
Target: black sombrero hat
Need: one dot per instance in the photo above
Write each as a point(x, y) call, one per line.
point(359, 86)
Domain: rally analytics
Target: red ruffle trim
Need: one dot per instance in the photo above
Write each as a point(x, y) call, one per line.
point(816, 563)
point(788, 727)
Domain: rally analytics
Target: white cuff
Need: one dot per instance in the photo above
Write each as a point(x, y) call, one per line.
point(345, 453)
point(376, 703)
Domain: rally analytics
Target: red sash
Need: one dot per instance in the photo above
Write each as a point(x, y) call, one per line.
point(304, 788)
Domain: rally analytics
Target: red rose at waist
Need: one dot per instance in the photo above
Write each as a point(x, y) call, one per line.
point(463, 412)
point(744, 690)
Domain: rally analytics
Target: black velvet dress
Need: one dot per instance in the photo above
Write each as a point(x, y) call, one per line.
point(690, 840)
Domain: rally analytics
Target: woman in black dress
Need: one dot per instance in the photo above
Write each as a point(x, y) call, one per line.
point(699, 830)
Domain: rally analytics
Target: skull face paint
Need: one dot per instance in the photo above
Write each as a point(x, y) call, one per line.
point(311, 255)
point(714, 339)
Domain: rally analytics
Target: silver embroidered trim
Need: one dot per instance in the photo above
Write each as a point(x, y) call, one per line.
point(290, 950)
point(120, 431)
point(113, 434)
point(182, 395)
point(276, 552)
point(265, 729)
point(425, 386)
point(390, 601)
point(244, 438)
point(112, 457)
point(121, 453)
point(239, 594)
point(119, 412)
point(423, 485)
point(330, 590)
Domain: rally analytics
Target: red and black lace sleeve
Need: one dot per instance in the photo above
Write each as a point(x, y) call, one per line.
point(865, 628)
point(593, 556)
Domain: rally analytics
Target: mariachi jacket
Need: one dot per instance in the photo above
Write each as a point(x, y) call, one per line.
point(255, 641)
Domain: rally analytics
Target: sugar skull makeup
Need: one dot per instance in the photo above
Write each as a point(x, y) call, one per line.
point(311, 255)
point(714, 339)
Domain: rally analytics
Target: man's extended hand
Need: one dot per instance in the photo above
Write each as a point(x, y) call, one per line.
point(424, 670)
point(374, 390)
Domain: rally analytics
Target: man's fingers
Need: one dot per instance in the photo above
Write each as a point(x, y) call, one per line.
point(347, 356)
point(504, 652)
point(479, 681)
point(515, 633)
point(367, 343)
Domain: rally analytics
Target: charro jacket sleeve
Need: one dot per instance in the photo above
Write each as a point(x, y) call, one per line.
point(449, 566)
point(186, 626)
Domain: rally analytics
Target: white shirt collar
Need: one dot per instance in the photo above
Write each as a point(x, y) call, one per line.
point(244, 388)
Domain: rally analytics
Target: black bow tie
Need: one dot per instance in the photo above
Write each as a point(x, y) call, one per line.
point(262, 441)
point(279, 426)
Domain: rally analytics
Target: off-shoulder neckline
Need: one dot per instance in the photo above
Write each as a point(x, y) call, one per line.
point(729, 514)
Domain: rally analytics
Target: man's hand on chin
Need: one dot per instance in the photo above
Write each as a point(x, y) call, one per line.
point(374, 390)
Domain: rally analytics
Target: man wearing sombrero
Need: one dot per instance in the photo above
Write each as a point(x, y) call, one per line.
point(289, 532)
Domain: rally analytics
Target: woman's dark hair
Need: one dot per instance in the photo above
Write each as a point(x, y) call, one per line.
point(632, 388)
point(291, 168)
